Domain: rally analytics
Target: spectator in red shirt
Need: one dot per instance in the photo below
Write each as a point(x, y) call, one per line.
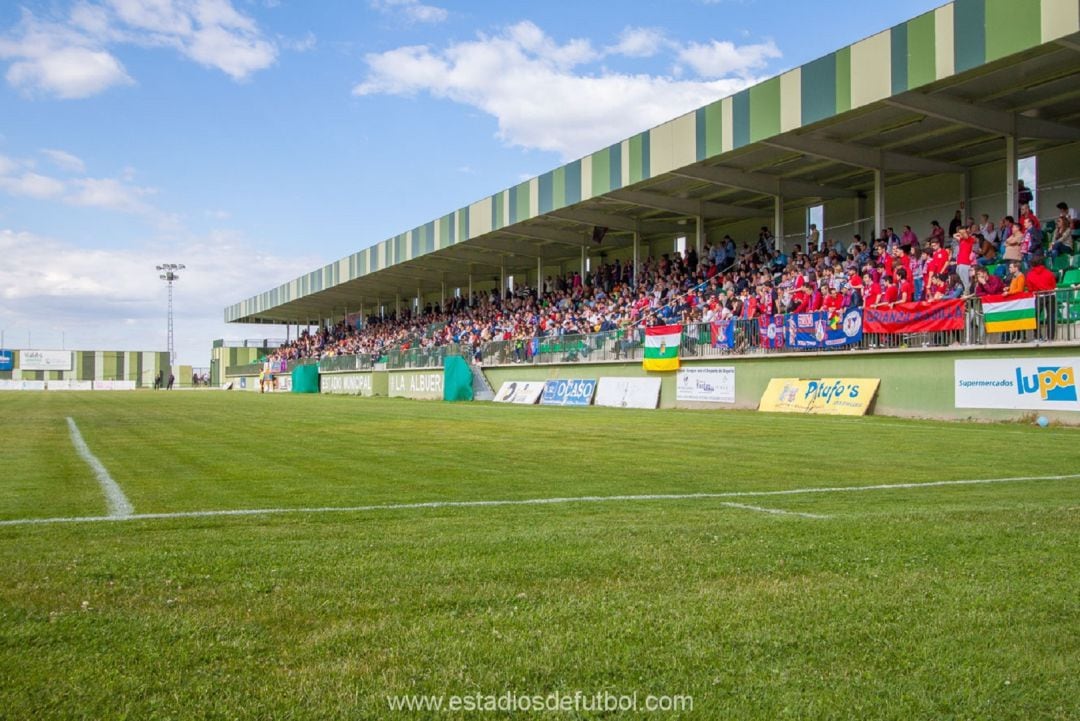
point(906, 289)
point(1039, 278)
point(939, 258)
point(890, 292)
point(986, 284)
point(964, 257)
point(1043, 283)
point(938, 287)
point(834, 302)
point(873, 292)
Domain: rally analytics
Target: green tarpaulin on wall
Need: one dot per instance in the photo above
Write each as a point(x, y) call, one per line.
point(457, 379)
point(305, 379)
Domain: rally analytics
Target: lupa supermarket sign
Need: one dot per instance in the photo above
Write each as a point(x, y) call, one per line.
point(1038, 384)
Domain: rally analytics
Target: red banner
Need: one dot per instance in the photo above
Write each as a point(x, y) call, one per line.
point(925, 317)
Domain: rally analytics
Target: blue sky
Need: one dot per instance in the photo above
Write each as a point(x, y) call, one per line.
point(253, 140)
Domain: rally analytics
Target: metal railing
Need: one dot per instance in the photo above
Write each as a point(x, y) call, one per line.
point(250, 343)
point(359, 362)
point(253, 369)
point(1062, 323)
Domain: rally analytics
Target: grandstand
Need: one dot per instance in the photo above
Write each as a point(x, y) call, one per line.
point(924, 121)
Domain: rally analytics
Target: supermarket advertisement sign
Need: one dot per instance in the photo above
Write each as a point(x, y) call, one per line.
point(1039, 384)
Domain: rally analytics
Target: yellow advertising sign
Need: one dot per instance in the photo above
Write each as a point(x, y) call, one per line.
point(823, 396)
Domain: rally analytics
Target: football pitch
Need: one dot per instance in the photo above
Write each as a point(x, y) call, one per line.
point(212, 555)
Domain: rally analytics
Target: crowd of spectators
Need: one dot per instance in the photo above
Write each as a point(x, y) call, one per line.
point(726, 281)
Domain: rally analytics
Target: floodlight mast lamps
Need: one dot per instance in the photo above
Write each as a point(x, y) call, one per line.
point(169, 275)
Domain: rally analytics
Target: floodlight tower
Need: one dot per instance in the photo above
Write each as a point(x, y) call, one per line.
point(169, 275)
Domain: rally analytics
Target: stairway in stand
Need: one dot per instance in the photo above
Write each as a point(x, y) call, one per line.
point(482, 390)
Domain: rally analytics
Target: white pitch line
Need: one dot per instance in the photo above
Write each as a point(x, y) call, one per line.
point(118, 504)
point(775, 511)
point(535, 501)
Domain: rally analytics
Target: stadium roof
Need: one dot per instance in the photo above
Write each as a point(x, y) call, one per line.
point(933, 95)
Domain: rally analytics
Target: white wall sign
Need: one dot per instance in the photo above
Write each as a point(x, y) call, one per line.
point(69, 385)
point(523, 392)
point(628, 392)
point(345, 384)
point(1041, 384)
point(45, 360)
point(114, 385)
point(711, 385)
point(21, 385)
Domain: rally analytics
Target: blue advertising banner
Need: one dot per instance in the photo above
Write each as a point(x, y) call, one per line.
point(568, 393)
point(824, 329)
point(7, 360)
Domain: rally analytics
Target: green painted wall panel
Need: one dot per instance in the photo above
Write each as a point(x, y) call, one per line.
point(463, 225)
point(558, 188)
point(843, 80)
point(818, 80)
point(639, 157)
point(573, 182)
point(1012, 26)
point(740, 119)
point(899, 57)
point(714, 126)
point(700, 133)
point(969, 34)
point(498, 210)
point(765, 110)
point(601, 172)
point(521, 205)
point(921, 66)
point(544, 195)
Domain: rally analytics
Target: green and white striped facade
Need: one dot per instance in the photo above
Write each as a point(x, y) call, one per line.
point(139, 366)
point(952, 39)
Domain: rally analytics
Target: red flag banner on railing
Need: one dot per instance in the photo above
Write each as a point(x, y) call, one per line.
point(923, 317)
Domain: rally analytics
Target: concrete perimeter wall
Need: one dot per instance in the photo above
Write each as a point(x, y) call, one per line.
point(914, 383)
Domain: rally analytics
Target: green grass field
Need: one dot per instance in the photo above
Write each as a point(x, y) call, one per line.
point(933, 602)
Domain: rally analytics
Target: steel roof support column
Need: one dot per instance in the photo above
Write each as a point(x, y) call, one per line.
point(879, 202)
point(637, 244)
point(778, 222)
point(1010, 176)
point(699, 234)
point(539, 275)
point(965, 193)
point(583, 265)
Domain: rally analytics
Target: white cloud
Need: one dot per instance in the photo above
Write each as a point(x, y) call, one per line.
point(63, 160)
point(32, 185)
point(117, 194)
point(298, 45)
point(109, 194)
point(412, 10)
point(112, 299)
point(528, 82)
point(639, 42)
point(71, 58)
point(720, 58)
point(58, 60)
